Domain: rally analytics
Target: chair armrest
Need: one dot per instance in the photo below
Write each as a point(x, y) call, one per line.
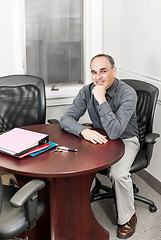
point(151, 137)
point(52, 121)
point(150, 140)
point(24, 193)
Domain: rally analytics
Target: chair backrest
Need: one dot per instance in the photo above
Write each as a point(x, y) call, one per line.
point(22, 101)
point(147, 95)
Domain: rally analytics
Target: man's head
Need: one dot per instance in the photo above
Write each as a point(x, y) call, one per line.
point(103, 70)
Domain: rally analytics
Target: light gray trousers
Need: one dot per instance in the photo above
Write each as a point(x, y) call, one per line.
point(122, 182)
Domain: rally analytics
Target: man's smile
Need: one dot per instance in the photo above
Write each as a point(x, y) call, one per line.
point(100, 82)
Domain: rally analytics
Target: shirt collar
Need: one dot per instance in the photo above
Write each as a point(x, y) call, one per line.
point(111, 90)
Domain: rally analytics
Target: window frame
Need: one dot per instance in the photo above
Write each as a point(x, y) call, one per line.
point(93, 18)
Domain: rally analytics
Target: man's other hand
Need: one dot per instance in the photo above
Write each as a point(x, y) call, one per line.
point(94, 136)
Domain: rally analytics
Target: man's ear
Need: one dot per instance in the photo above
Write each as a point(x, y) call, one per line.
point(114, 71)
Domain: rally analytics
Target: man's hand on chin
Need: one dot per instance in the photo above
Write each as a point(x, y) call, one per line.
point(99, 93)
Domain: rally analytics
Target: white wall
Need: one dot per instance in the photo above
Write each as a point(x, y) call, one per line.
point(141, 35)
point(6, 40)
point(12, 37)
point(132, 35)
point(112, 27)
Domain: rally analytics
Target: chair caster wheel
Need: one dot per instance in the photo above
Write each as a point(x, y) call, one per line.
point(135, 188)
point(152, 209)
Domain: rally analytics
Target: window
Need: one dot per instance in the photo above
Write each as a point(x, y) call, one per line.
point(54, 40)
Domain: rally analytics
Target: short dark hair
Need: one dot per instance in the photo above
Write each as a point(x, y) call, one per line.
point(110, 59)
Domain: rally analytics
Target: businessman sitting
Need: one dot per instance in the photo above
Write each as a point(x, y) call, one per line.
point(111, 106)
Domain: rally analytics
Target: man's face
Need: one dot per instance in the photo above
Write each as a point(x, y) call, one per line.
point(102, 73)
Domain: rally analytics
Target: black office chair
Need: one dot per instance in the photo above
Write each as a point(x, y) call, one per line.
point(147, 98)
point(19, 208)
point(22, 101)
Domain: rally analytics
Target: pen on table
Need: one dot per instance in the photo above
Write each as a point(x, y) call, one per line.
point(61, 148)
point(72, 149)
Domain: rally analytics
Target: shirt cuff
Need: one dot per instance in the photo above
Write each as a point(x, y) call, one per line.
point(103, 109)
point(80, 129)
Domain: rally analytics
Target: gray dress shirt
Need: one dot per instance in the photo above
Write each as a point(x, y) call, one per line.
point(117, 116)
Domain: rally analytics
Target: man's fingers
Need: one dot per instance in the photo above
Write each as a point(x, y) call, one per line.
point(100, 138)
point(93, 141)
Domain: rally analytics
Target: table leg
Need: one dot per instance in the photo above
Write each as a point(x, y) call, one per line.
point(71, 214)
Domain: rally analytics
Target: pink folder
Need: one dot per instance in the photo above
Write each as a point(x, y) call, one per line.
point(18, 140)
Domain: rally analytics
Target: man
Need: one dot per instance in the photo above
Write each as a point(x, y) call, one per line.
point(111, 105)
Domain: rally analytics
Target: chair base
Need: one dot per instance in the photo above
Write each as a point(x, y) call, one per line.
point(152, 207)
point(109, 193)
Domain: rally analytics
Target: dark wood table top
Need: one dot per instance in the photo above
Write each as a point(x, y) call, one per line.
point(89, 158)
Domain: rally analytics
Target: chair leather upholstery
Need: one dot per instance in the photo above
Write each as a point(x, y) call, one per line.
point(22, 101)
point(14, 220)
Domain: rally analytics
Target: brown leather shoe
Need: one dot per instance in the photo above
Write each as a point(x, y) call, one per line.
point(128, 229)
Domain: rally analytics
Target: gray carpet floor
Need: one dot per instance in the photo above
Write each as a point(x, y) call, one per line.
point(148, 224)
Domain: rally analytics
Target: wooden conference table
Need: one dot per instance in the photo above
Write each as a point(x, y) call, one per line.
point(68, 176)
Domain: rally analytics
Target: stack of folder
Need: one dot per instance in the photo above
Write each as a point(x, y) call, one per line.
point(21, 143)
